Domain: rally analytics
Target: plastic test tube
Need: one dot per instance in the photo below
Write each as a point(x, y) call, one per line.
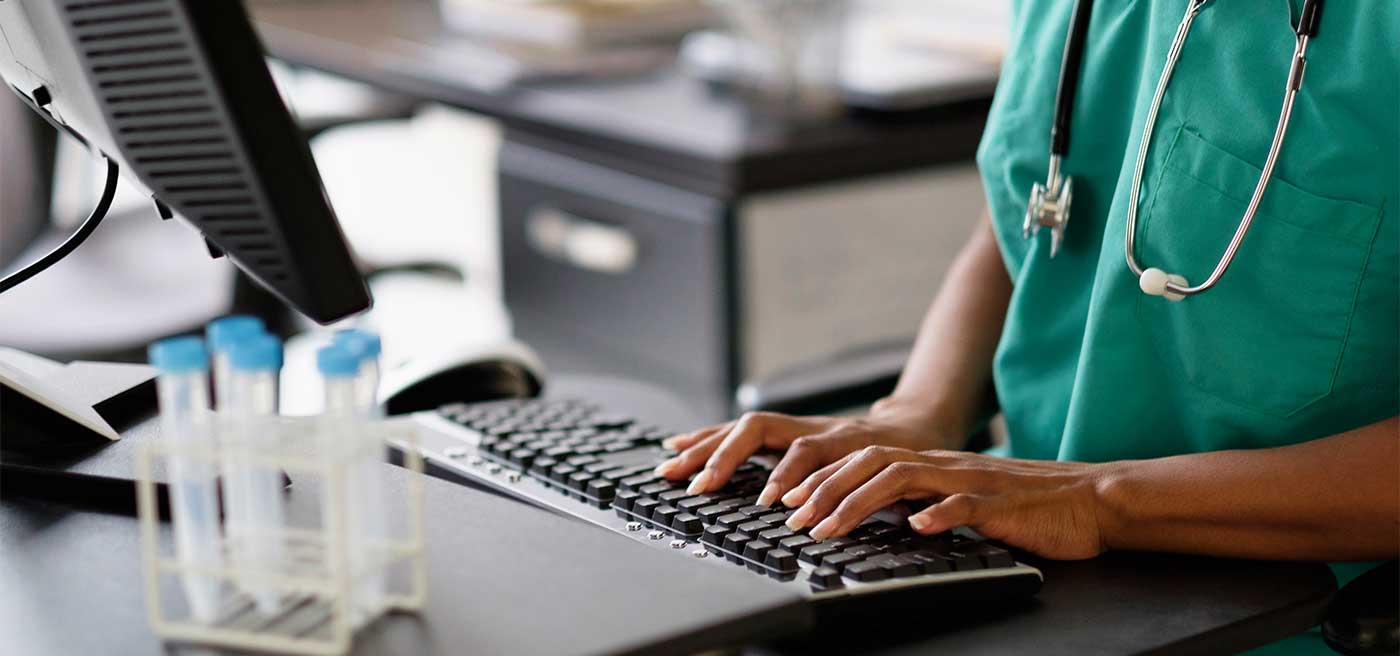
point(222, 334)
point(183, 389)
point(366, 346)
point(367, 486)
point(251, 410)
point(339, 368)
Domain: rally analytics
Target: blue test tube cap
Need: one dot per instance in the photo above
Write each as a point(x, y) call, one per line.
point(337, 362)
point(224, 333)
point(361, 342)
point(261, 352)
point(179, 355)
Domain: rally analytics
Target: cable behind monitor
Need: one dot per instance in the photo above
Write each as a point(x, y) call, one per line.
point(73, 241)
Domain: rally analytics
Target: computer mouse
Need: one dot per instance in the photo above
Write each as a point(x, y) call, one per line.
point(1365, 615)
point(461, 374)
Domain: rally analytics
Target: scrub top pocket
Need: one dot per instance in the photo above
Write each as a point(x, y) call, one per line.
point(1270, 335)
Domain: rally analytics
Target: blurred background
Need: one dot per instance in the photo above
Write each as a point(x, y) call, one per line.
point(733, 199)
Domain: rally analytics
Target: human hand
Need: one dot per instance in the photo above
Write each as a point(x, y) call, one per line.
point(1050, 508)
point(810, 443)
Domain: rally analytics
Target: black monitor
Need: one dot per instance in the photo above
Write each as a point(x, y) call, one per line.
point(176, 94)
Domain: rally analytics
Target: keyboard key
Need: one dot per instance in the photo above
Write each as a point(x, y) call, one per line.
point(687, 524)
point(625, 499)
point(601, 489)
point(815, 553)
point(965, 562)
point(638, 481)
point(673, 496)
point(644, 506)
point(775, 518)
point(714, 535)
point(734, 542)
point(777, 534)
point(753, 528)
point(781, 560)
point(994, 557)
point(796, 542)
point(617, 475)
point(713, 512)
point(599, 467)
point(756, 550)
point(692, 504)
point(753, 511)
point(521, 457)
point(664, 513)
point(904, 567)
point(732, 520)
point(654, 489)
point(542, 465)
point(861, 551)
point(825, 577)
point(841, 542)
point(866, 570)
point(561, 473)
point(578, 481)
point(838, 561)
point(929, 562)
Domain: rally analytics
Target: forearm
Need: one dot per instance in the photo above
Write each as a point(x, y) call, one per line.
point(1336, 498)
point(949, 373)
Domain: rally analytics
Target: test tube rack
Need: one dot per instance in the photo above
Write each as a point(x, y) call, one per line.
point(319, 611)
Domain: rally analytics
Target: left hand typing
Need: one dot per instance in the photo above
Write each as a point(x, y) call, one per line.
point(1049, 508)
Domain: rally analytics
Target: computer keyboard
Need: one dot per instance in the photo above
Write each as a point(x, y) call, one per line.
point(574, 458)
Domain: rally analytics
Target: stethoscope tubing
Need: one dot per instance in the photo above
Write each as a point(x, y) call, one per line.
point(1307, 27)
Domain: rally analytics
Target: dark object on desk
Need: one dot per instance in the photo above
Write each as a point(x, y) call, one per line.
point(547, 452)
point(508, 370)
point(201, 128)
point(1365, 615)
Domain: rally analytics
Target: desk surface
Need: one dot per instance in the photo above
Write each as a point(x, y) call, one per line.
point(663, 124)
point(69, 584)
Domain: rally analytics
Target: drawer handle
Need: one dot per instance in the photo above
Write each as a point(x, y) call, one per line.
point(581, 242)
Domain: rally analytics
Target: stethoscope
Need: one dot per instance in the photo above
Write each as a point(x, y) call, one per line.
point(1050, 202)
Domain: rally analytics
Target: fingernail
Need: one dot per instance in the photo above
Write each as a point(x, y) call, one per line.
point(823, 529)
point(701, 482)
point(919, 522)
point(670, 442)
point(665, 467)
point(799, 519)
point(768, 495)
point(791, 499)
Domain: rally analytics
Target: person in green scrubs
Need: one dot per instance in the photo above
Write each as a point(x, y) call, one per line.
point(1256, 420)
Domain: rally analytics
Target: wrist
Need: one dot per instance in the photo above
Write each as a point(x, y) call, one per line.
point(942, 428)
point(1116, 487)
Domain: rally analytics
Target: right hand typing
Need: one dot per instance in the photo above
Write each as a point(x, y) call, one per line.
point(810, 444)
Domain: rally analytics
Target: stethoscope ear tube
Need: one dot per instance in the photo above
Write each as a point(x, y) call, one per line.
point(1309, 19)
point(1070, 67)
point(1174, 287)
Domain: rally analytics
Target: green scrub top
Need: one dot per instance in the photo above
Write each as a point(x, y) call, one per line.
point(1299, 340)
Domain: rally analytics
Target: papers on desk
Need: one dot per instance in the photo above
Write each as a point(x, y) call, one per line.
point(898, 54)
point(576, 23)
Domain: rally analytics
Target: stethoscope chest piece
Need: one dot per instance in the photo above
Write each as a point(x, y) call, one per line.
point(1049, 208)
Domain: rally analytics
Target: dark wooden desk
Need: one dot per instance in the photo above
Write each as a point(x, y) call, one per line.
point(69, 583)
point(663, 157)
